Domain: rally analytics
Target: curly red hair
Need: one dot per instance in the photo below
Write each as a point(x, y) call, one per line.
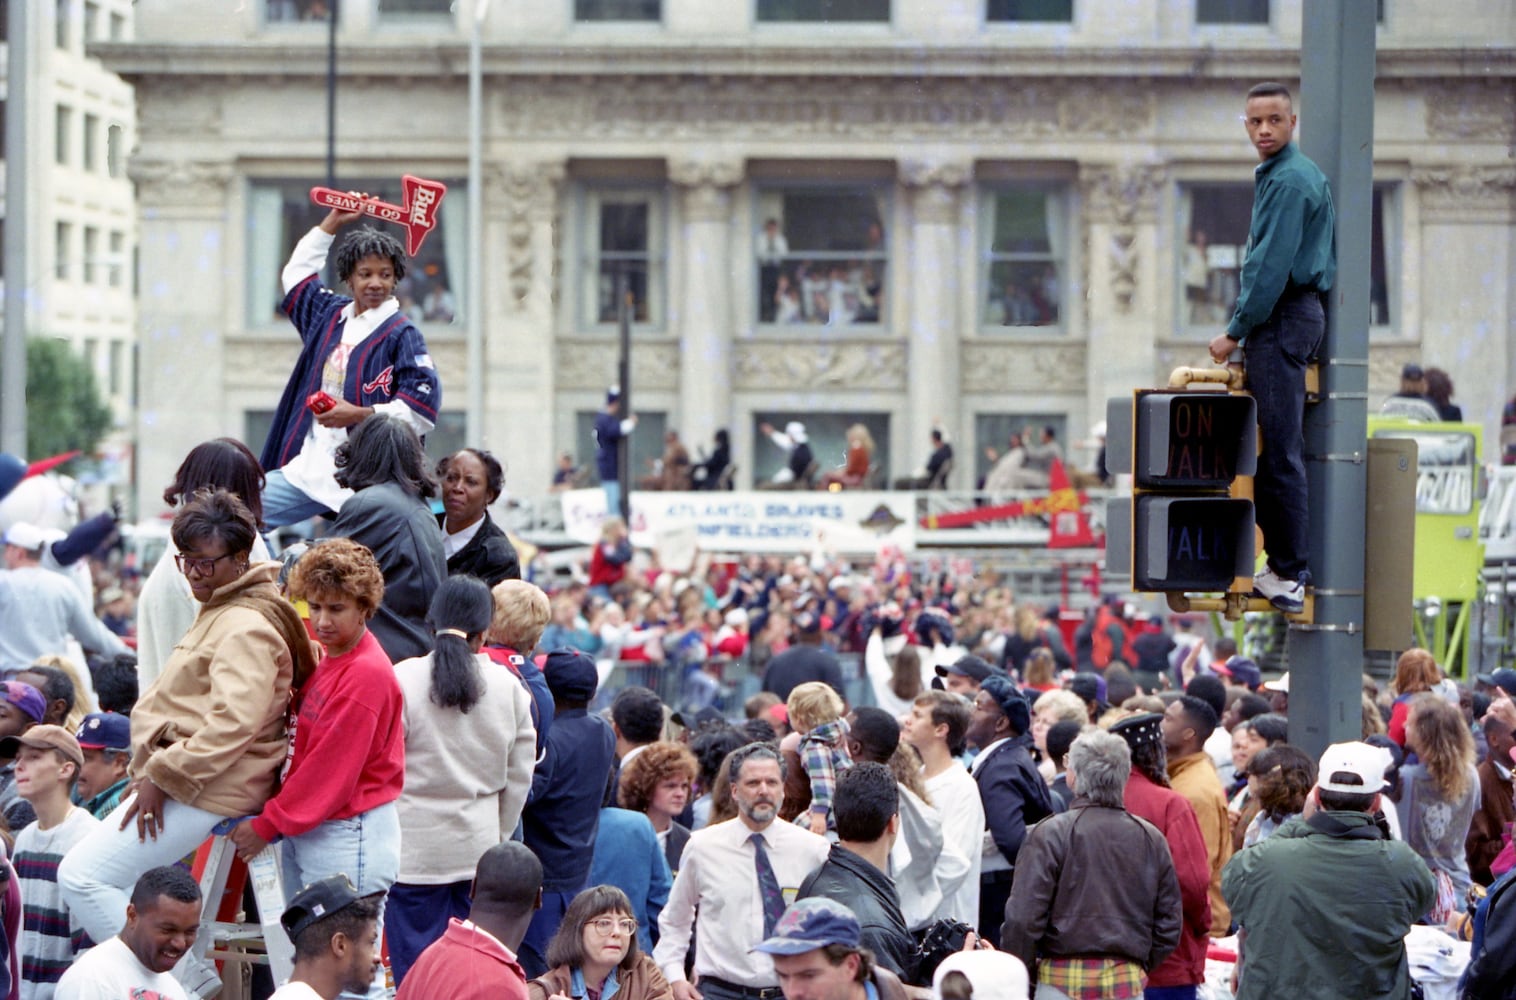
point(641, 775)
point(339, 566)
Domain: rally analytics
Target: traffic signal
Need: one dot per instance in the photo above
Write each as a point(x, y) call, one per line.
point(1184, 528)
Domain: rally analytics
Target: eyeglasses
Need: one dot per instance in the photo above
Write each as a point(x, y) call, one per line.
point(610, 925)
point(202, 567)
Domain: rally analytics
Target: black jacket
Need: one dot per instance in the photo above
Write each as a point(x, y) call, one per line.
point(489, 555)
point(852, 881)
point(401, 532)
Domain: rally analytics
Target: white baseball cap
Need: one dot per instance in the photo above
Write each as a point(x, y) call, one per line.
point(1282, 685)
point(25, 536)
point(1367, 762)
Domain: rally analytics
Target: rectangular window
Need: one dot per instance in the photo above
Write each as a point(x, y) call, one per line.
point(1024, 232)
point(5, 20)
point(92, 357)
point(1232, 12)
point(2, 126)
point(91, 142)
point(821, 254)
point(118, 26)
point(117, 259)
point(1026, 11)
point(823, 10)
point(646, 443)
point(63, 248)
point(118, 363)
point(91, 253)
point(291, 11)
point(280, 213)
point(407, 10)
point(63, 126)
point(1214, 222)
point(625, 235)
point(61, 23)
point(618, 10)
point(999, 434)
point(826, 435)
point(115, 151)
point(91, 22)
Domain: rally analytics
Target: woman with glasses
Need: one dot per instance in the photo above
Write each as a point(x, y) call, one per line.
point(166, 608)
point(594, 954)
point(208, 737)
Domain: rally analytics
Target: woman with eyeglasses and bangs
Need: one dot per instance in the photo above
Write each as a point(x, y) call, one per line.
point(594, 954)
point(208, 737)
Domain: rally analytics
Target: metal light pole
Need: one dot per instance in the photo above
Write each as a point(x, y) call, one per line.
point(331, 94)
point(13, 353)
point(624, 377)
point(1326, 657)
point(474, 304)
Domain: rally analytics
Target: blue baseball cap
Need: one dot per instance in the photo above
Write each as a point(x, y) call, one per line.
point(810, 924)
point(105, 731)
point(571, 675)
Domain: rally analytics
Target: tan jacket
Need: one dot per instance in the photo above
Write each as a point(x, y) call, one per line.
point(1195, 778)
point(642, 981)
point(210, 731)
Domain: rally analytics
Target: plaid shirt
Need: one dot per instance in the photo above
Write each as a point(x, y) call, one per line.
point(824, 752)
point(1093, 978)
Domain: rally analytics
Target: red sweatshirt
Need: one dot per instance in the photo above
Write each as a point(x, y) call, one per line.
point(348, 751)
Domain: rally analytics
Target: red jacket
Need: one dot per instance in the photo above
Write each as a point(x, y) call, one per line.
point(1175, 818)
point(348, 749)
point(464, 964)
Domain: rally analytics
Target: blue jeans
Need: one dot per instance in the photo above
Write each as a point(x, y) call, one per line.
point(365, 848)
point(1170, 993)
point(612, 488)
point(1275, 355)
point(417, 916)
point(284, 504)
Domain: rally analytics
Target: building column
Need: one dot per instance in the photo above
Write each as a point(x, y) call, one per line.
point(181, 313)
point(931, 271)
point(701, 314)
point(1122, 293)
point(521, 214)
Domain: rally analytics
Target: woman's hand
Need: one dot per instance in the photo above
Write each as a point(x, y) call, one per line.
point(147, 808)
point(336, 218)
point(249, 845)
point(344, 414)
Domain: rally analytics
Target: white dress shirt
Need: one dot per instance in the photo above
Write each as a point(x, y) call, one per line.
point(718, 874)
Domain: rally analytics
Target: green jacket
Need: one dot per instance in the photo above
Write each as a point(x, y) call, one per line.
point(1326, 916)
point(1291, 241)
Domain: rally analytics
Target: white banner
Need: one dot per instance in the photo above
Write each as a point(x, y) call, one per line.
point(799, 521)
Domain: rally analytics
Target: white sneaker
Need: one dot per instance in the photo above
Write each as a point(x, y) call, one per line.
point(1286, 595)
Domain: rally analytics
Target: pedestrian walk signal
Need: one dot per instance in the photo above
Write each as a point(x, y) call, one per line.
point(1190, 453)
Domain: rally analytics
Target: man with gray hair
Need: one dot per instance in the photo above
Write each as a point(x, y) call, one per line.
point(1095, 902)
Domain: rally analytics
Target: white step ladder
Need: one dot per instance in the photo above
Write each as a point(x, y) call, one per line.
point(268, 891)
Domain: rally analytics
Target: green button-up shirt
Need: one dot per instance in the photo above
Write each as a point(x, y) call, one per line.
point(1291, 239)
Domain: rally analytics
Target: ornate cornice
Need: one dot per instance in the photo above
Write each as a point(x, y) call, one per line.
point(812, 107)
point(185, 184)
point(1016, 366)
point(767, 365)
point(1465, 192)
point(1477, 110)
point(591, 364)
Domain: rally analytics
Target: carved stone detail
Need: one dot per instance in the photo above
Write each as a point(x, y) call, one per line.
point(768, 364)
point(827, 107)
point(529, 192)
point(1122, 196)
point(707, 184)
point(1016, 366)
point(167, 109)
point(591, 364)
point(1477, 110)
point(180, 183)
point(935, 186)
point(1467, 192)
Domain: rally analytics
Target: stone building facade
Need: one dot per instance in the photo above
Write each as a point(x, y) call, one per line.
point(980, 220)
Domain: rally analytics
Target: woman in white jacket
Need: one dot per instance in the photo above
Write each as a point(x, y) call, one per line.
point(470, 749)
